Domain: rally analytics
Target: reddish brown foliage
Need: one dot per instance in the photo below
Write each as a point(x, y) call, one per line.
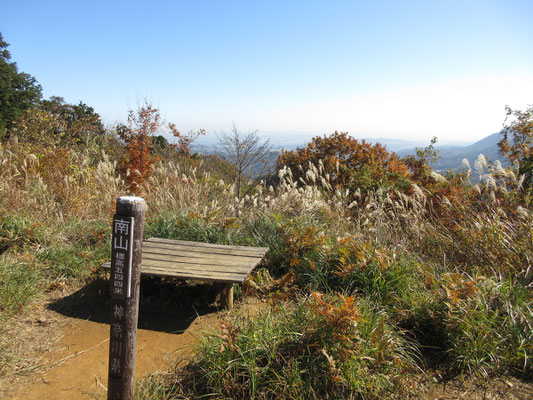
point(341, 316)
point(348, 162)
point(184, 141)
point(142, 125)
point(301, 241)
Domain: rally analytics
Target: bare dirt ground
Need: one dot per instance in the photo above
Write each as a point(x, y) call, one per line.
point(506, 387)
point(77, 366)
point(59, 348)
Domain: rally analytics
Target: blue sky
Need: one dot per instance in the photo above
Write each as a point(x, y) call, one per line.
point(399, 69)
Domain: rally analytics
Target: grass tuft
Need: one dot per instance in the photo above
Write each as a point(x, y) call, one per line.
point(319, 348)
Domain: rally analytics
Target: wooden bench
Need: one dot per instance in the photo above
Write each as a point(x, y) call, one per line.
point(217, 263)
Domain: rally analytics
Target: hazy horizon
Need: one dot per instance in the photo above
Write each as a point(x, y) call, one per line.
point(291, 140)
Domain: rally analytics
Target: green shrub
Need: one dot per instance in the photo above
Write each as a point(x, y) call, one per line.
point(264, 231)
point(348, 265)
point(189, 227)
point(70, 261)
point(374, 273)
point(17, 231)
point(489, 325)
point(75, 249)
point(334, 348)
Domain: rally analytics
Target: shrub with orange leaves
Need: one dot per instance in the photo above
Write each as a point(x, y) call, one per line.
point(375, 272)
point(349, 163)
point(459, 287)
point(352, 254)
point(356, 340)
point(303, 244)
point(342, 316)
point(323, 262)
point(142, 125)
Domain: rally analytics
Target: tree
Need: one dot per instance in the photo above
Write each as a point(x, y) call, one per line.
point(250, 156)
point(516, 143)
point(137, 135)
point(349, 163)
point(82, 123)
point(18, 91)
point(160, 143)
point(142, 143)
point(39, 127)
point(419, 164)
point(54, 122)
point(184, 141)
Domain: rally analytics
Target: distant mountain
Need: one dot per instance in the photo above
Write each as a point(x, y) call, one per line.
point(280, 141)
point(451, 157)
point(396, 145)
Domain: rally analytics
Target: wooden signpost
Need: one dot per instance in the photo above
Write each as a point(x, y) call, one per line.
point(126, 253)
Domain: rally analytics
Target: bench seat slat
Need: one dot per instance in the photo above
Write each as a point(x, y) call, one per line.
point(225, 275)
point(193, 245)
point(198, 261)
point(176, 264)
point(223, 264)
point(179, 266)
point(195, 252)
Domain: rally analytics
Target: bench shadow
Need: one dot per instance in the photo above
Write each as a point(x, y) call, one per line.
point(165, 305)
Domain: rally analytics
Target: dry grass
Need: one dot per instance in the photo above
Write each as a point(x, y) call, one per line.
point(26, 342)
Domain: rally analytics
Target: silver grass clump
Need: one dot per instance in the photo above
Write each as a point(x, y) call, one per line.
point(523, 212)
point(489, 181)
point(84, 192)
point(309, 194)
point(175, 188)
point(494, 179)
point(438, 177)
point(392, 216)
point(480, 164)
point(419, 194)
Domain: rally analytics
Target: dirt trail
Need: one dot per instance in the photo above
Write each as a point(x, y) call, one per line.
point(75, 365)
point(78, 366)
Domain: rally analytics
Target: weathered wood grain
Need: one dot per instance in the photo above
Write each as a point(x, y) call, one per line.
point(121, 384)
point(207, 245)
point(198, 261)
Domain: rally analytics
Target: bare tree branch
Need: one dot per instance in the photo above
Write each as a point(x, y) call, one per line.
point(250, 156)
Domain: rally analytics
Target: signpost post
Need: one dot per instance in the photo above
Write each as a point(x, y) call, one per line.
point(126, 253)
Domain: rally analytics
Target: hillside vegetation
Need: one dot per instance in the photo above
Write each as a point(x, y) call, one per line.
point(381, 273)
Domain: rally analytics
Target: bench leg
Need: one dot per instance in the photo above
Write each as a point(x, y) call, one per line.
point(227, 296)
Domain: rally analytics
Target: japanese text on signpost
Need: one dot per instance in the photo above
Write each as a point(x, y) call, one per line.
point(121, 265)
